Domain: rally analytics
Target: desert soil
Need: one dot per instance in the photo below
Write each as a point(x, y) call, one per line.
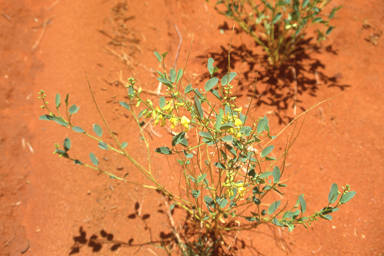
point(49, 206)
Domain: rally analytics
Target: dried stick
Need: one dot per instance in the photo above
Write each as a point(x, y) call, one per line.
point(42, 33)
point(174, 230)
point(53, 5)
point(234, 239)
point(178, 48)
point(295, 90)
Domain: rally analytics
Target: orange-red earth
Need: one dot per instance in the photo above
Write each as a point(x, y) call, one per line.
point(49, 206)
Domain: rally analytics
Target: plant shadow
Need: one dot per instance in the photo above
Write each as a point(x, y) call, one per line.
point(189, 233)
point(281, 88)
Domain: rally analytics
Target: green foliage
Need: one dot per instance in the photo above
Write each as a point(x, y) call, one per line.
point(279, 26)
point(229, 180)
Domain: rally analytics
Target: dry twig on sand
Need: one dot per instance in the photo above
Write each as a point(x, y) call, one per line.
point(45, 23)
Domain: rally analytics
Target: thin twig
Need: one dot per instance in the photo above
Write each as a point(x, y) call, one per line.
point(234, 239)
point(174, 231)
point(152, 251)
point(295, 90)
point(10, 240)
point(42, 33)
point(53, 5)
point(178, 48)
point(30, 148)
point(141, 205)
point(6, 16)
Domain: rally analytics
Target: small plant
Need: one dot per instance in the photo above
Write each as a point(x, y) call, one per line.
point(280, 25)
point(228, 168)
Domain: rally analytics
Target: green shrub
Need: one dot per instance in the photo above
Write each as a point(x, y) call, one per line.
point(227, 172)
point(278, 26)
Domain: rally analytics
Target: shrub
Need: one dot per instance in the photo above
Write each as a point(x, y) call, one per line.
point(278, 26)
point(226, 180)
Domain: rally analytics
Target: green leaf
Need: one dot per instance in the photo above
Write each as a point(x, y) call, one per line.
point(66, 99)
point(228, 138)
point(277, 17)
point(94, 160)
point(211, 83)
point(210, 66)
point(172, 75)
point(216, 94)
point(206, 135)
point(164, 81)
point(188, 89)
point(103, 145)
point(265, 175)
point(60, 121)
point(46, 118)
point(195, 193)
point(347, 196)
point(162, 102)
point(246, 130)
point(78, 129)
point(131, 92)
point(143, 112)
point(125, 105)
point(73, 109)
point(329, 30)
point(226, 126)
point(201, 177)
point(305, 3)
point(209, 200)
point(179, 75)
point(164, 151)
point(57, 100)
point(327, 217)
point(267, 150)
point(160, 74)
point(333, 194)
point(187, 155)
point(178, 138)
point(218, 122)
point(225, 80)
point(158, 56)
point(124, 144)
point(171, 207)
point(76, 161)
point(219, 165)
point(196, 91)
point(303, 204)
point(276, 174)
point(97, 129)
point(273, 207)
point(198, 107)
point(223, 203)
point(67, 144)
point(164, 54)
point(261, 126)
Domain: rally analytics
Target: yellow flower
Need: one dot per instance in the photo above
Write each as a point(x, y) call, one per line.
point(238, 122)
point(185, 123)
point(238, 109)
point(161, 119)
point(173, 122)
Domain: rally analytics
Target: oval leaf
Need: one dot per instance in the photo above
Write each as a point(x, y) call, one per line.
point(78, 129)
point(276, 174)
point(303, 204)
point(124, 144)
point(198, 106)
point(333, 194)
point(347, 196)
point(97, 129)
point(103, 145)
point(228, 138)
point(158, 56)
point(225, 80)
point(164, 151)
point(211, 83)
point(57, 100)
point(162, 102)
point(273, 207)
point(94, 160)
point(267, 150)
point(125, 105)
point(67, 144)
